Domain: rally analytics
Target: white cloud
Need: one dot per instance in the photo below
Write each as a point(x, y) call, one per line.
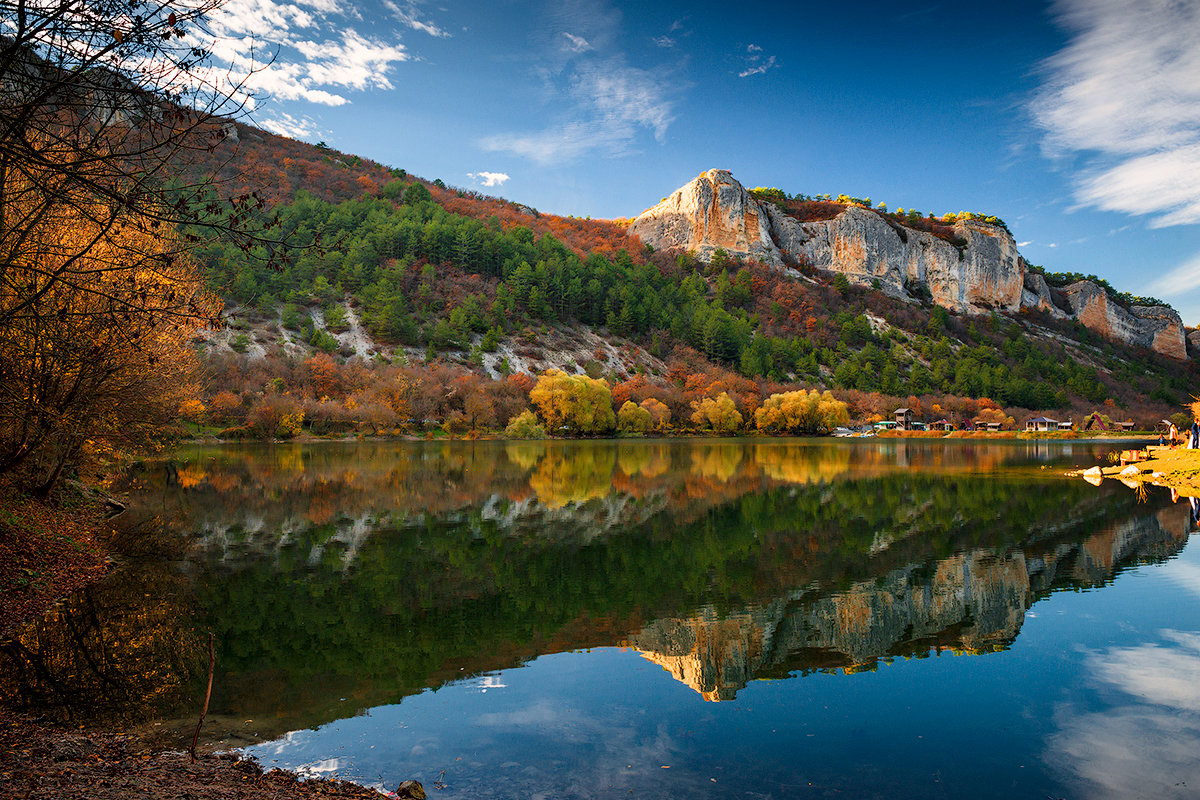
point(287, 54)
point(489, 178)
point(1125, 93)
point(576, 44)
point(755, 63)
point(1182, 279)
point(1024, 244)
point(287, 125)
point(664, 41)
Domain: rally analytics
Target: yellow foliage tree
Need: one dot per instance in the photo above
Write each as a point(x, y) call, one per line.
point(632, 418)
point(718, 413)
point(575, 402)
point(801, 412)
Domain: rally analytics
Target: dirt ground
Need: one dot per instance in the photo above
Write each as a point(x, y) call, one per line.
point(38, 761)
point(46, 552)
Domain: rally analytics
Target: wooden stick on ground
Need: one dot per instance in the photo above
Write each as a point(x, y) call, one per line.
point(207, 693)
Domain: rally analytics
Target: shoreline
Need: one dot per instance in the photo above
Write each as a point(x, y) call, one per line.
point(47, 552)
point(1136, 437)
point(1177, 469)
point(42, 762)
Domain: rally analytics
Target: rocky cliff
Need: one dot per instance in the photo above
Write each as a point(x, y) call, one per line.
point(713, 211)
point(980, 272)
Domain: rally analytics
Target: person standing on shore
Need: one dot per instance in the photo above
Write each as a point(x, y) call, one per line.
point(1172, 434)
point(1194, 435)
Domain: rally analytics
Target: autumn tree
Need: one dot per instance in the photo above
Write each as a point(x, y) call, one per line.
point(525, 426)
point(718, 414)
point(77, 365)
point(801, 412)
point(660, 415)
point(632, 418)
point(575, 402)
point(103, 101)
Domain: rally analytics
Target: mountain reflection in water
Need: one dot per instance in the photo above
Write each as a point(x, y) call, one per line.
point(343, 577)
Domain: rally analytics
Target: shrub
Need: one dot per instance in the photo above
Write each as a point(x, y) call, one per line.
point(525, 426)
point(634, 419)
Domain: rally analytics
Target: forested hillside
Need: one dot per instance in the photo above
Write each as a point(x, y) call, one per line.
point(432, 274)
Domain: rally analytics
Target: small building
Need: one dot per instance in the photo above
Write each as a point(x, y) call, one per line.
point(1066, 426)
point(1126, 426)
point(904, 418)
point(941, 425)
point(981, 425)
point(885, 425)
point(1041, 424)
point(918, 426)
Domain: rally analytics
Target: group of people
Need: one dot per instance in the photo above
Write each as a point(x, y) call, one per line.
point(1193, 436)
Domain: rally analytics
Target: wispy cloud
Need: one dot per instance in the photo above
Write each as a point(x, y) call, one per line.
point(669, 39)
point(601, 102)
point(1125, 94)
point(408, 14)
point(564, 143)
point(488, 178)
point(755, 63)
point(576, 44)
point(1182, 279)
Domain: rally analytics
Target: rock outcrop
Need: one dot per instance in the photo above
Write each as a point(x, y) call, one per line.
point(713, 211)
point(1156, 327)
point(979, 272)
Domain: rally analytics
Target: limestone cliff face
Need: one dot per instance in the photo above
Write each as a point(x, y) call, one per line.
point(1156, 327)
point(984, 273)
point(713, 211)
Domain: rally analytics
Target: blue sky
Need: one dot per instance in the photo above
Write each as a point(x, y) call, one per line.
point(1076, 121)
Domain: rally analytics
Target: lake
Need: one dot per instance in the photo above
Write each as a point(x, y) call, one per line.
point(734, 618)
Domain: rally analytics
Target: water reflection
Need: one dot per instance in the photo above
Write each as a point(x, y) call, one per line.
point(346, 577)
point(1146, 745)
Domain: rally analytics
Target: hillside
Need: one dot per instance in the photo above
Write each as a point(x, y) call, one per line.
point(399, 278)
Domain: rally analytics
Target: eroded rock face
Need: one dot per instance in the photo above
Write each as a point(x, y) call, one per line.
point(981, 273)
point(1037, 296)
point(1193, 343)
point(713, 211)
point(1156, 327)
point(985, 274)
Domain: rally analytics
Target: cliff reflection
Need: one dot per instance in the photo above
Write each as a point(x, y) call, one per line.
point(349, 576)
point(969, 603)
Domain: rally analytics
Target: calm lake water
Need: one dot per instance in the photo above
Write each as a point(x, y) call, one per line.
point(735, 619)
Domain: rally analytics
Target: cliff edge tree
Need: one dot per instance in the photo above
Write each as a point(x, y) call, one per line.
point(103, 104)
